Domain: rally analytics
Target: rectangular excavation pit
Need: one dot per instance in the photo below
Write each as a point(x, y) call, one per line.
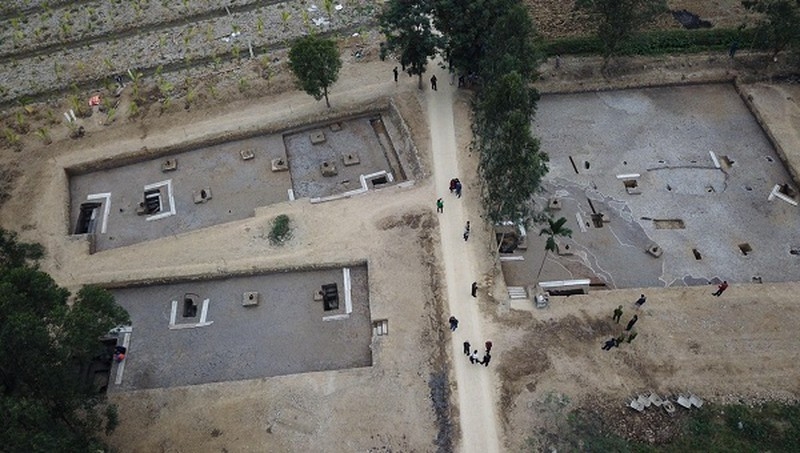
point(87, 218)
point(278, 336)
point(669, 224)
point(697, 254)
point(745, 249)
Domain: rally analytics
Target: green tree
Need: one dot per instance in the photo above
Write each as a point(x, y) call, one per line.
point(618, 20)
point(315, 62)
point(511, 167)
point(407, 26)
point(553, 230)
point(780, 26)
point(46, 402)
point(510, 46)
point(511, 164)
point(511, 92)
point(466, 26)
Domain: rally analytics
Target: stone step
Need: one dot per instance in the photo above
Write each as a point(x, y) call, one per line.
point(517, 292)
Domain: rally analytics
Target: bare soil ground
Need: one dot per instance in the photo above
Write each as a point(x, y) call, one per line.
point(742, 346)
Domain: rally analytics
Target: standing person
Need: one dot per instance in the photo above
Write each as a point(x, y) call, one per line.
point(474, 289)
point(640, 301)
point(440, 206)
point(458, 188)
point(453, 185)
point(396, 74)
point(632, 322)
point(466, 348)
point(733, 49)
point(473, 358)
point(631, 336)
point(453, 323)
point(486, 358)
point(488, 346)
point(433, 82)
point(721, 289)
point(618, 314)
point(466, 231)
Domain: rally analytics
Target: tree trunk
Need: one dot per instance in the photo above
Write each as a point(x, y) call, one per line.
point(538, 274)
point(327, 102)
point(419, 85)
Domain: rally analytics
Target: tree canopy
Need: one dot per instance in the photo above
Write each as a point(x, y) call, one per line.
point(407, 26)
point(315, 63)
point(46, 402)
point(493, 41)
point(618, 20)
point(780, 26)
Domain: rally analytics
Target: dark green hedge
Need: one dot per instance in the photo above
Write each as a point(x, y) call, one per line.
point(660, 42)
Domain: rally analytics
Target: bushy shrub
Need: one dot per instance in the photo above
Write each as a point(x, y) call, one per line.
point(661, 42)
point(281, 230)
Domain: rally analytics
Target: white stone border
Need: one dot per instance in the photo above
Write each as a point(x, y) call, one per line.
point(364, 187)
point(348, 298)
point(126, 342)
point(776, 193)
point(203, 316)
point(171, 211)
point(107, 207)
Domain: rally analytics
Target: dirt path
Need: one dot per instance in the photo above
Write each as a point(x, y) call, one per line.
point(476, 385)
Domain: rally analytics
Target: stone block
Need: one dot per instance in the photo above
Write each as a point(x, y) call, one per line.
point(654, 250)
point(202, 195)
point(336, 127)
point(250, 298)
point(280, 164)
point(554, 204)
point(317, 137)
point(169, 165)
point(328, 169)
point(350, 158)
point(247, 154)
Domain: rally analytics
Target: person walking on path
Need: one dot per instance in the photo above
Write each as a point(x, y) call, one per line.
point(720, 289)
point(453, 323)
point(618, 314)
point(458, 188)
point(611, 343)
point(488, 346)
point(466, 348)
point(640, 301)
point(396, 74)
point(433, 82)
point(473, 358)
point(474, 289)
point(631, 323)
point(466, 231)
point(440, 206)
point(631, 336)
point(486, 358)
point(453, 184)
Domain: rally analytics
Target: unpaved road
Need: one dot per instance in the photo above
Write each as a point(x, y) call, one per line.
point(476, 384)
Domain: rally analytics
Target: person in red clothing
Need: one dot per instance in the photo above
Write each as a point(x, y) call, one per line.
point(721, 289)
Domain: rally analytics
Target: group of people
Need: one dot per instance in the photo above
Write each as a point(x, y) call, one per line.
point(474, 357)
point(455, 187)
point(628, 334)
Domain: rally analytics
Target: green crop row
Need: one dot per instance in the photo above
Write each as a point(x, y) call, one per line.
point(661, 42)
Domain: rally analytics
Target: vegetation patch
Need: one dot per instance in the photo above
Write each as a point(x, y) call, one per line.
point(281, 230)
point(771, 427)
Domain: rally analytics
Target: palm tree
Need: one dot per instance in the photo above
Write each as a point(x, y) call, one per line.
point(555, 229)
